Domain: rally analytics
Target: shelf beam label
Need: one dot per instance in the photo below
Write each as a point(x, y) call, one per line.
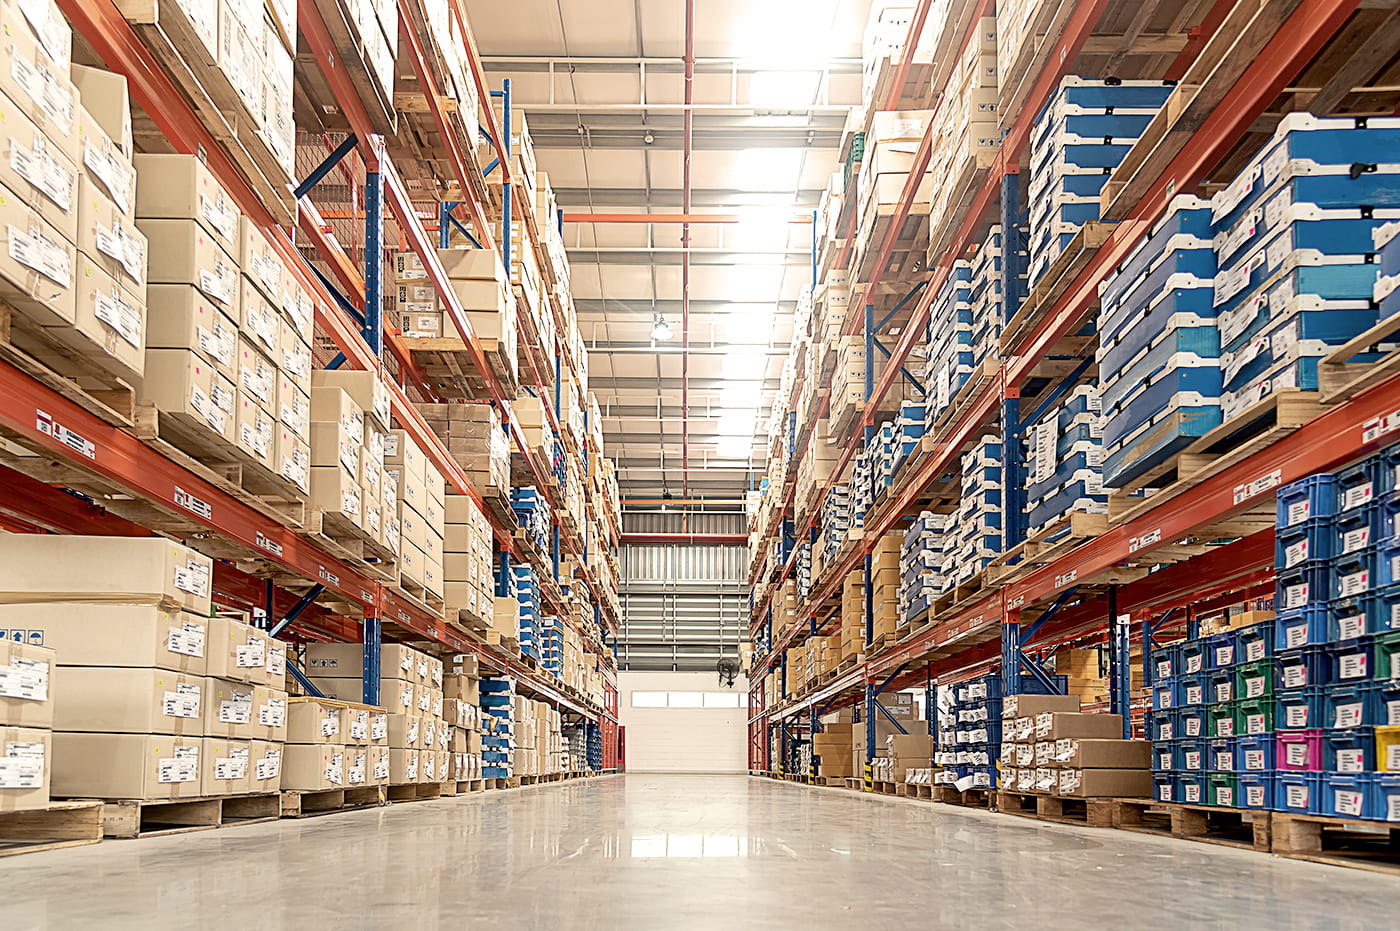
point(193, 504)
point(272, 546)
point(1151, 538)
point(1257, 487)
point(46, 425)
point(1377, 427)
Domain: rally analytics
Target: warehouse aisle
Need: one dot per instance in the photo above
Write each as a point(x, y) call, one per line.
point(652, 852)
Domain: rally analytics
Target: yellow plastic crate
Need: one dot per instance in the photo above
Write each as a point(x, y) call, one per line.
point(1388, 749)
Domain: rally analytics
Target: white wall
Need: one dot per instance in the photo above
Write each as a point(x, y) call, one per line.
point(683, 740)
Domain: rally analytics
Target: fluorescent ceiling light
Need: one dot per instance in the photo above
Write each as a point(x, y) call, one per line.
point(736, 423)
point(767, 170)
point(765, 228)
point(783, 90)
point(745, 364)
point(743, 395)
point(734, 447)
point(787, 33)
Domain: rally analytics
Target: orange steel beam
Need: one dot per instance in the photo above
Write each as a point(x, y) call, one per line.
point(668, 218)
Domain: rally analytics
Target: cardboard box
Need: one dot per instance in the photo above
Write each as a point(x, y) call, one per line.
point(265, 766)
point(403, 766)
point(231, 710)
point(315, 722)
point(357, 724)
point(26, 680)
point(25, 755)
point(109, 322)
point(184, 385)
point(261, 321)
point(180, 317)
point(1103, 753)
point(37, 170)
point(109, 238)
point(113, 635)
point(1119, 783)
point(238, 652)
point(357, 766)
point(270, 713)
point(257, 432)
point(1054, 725)
point(366, 389)
point(333, 489)
point(257, 375)
point(405, 730)
point(312, 767)
point(293, 407)
point(184, 252)
point(129, 700)
point(180, 187)
point(113, 569)
point(346, 661)
point(1026, 706)
point(226, 766)
point(126, 766)
point(261, 264)
point(106, 102)
point(102, 162)
point(332, 405)
point(909, 746)
point(39, 84)
point(37, 264)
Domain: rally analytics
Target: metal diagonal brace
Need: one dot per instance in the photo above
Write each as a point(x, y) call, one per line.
point(1037, 673)
point(886, 683)
point(348, 145)
point(902, 301)
point(340, 299)
point(902, 370)
point(302, 604)
point(1057, 392)
point(886, 712)
point(305, 683)
point(1049, 613)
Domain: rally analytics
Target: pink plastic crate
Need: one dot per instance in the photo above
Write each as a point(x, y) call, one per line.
point(1299, 751)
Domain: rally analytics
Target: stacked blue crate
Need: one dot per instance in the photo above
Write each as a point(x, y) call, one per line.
point(527, 593)
point(552, 645)
point(497, 734)
point(1386, 293)
point(1080, 136)
point(908, 431)
point(835, 520)
point(804, 570)
point(532, 514)
point(1293, 241)
point(977, 537)
point(921, 564)
point(951, 356)
point(988, 314)
point(1064, 460)
point(969, 735)
point(1159, 345)
point(595, 746)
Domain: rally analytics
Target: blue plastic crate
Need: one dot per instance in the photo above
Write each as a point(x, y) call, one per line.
point(1163, 726)
point(1297, 792)
point(1355, 529)
point(1164, 695)
point(1191, 788)
point(1255, 642)
point(1299, 709)
point(1368, 613)
point(1163, 662)
point(1385, 796)
point(1193, 657)
point(1302, 668)
point(1306, 499)
point(1358, 485)
point(1347, 795)
point(1351, 661)
point(1191, 723)
point(1301, 586)
point(1164, 786)
point(1190, 756)
point(1222, 650)
point(1349, 705)
point(1349, 751)
point(1192, 690)
point(1221, 754)
point(1308, 542)
point(1256, 791)
point(1383, 702)
point(1356, 573)
point(1300, 627)
point(1220, 685)
point(1254, 753)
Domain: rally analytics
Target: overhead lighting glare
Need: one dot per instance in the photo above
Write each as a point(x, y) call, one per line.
point(660, 330)
point(734, 447)
point(736, 423)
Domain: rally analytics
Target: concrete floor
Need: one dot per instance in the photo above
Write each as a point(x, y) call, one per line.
point(677, 852)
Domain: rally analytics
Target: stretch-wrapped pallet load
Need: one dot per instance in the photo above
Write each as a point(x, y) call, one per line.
point(1064, 462)
point(1159, 345)
point(1082, 134)
point(952, 352)
point(1293, 241)
point(921, 564)
point(978, 537)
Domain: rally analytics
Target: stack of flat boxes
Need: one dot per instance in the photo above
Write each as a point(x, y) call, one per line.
point(410, 693)
point(335, 745)
point(534, 424)
point(380, 514)
point(921, 564)
point(1293, 241)
point(497, 730)
point(552, 645)
point(853, 615)
point(473, 435)
point(890, 144)
point(1081, 135)
point(26, 720)
point(884, 583)
point(1159, 345)
point(901, 754)
point(53, 271)
point(898, 707)
point(538, 738)
point(970, 735)
point(527, 594)
point(420, 511)
point(967, 118)
point(533, 514)
point(158, 699)
point(462, 700)
point(338, 445)
point(988, 307)
point(978, 539)
point(1215, 701)
point(1337, 672)
point(848, 378)
point(1064, 461)
point(468, 561)
point(951, 353)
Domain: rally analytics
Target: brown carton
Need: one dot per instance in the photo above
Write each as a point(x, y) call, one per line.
point(128, 766)
point(1051, 725)
point(315, 722)
point(225, 766)
point(231, 710)
point(1119, 783)
point(1092, 753)
point(25, 763)
point(26, 681)
point(117, 570)
point(1028, 706)
point(109, 699)
point(311, 767)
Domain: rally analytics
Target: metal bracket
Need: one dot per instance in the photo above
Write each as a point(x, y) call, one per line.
point(302, 604)
point(304, 682)
point(902, 301)
point(329, 162)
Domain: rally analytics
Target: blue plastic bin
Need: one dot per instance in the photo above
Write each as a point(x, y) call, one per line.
point(1256, 790)
point(1221, 650)
point(1347, 795)
point(1191, 722)
point(1255, 753)
point(1303, 668)
point(1299, 709)
point(1255, 642)
point(1307, 498)
point(1350, 660)
point(1222, 755)
point(1349, 751)
point(1297, 792)
point(1300, 627)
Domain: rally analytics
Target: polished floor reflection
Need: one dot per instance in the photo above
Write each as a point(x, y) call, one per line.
point(677, 852)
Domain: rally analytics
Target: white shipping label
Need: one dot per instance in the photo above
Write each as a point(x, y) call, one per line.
point(1295, 796)
point(1296, 636)
point(37, 165)
point(1254, 650)
point(1225, 797)
point(1193, 759)
point(1193, 727)
point(193, 577)
point(219, 214)
point(335, 768)
point(1395, 665)
point(1354, 540)
point(251, 655)
point(381, 768)
point(187, 639)
point(1230, 242)
point(1349, 628)
point(1191, 792)
point(276, 661)
point(1296, 715)
point(1194, 662)
point(1164, 668)
point(219, 282)
point(128, 249)
point(1295, 554)
point(1225, 761)
point(1348, 715)
point(274, 713)
point(1225, 656)
point(1295, 596)
point(1255, 724)
point(1296, 754)
point(51, 29)
point(1228, 199)
point(217, 344)
point(238, 709)
point(182, 704)
point(1254, 796)
point(1222, 691)
point(1254, 687)
point(115, 311)
point(1392, 758)
point(25, 679)
point(21, 773)
point(1355, 583)
point(1352, 666)
point(47, 89)
point(1299, 511)
point(1348, 802)
point(1294, 677)
point(180, 769)
point(231, 767)
point(359, 725)
point(1194, 694)
point(330, 723)
point(1351, 761)
point(113, 171)
point(37, 250)
point(1357, 496)
point(270, 766)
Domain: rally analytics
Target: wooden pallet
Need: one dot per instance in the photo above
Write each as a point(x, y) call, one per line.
point(952, 209)
point(968, 798)
point(449, 362)
point(127, 818)
point(1230, 827)
point(1093, 812)
point(415, 791)
point(34, 350)
point(1053, 284)
point(305, 804)
point(227, 468)
point(914, 790)
point(345, 539)
point(1038, 549)
point(907, 252)
point(175, 44)
point(1243, 435)
point(1367, 845)
point(61, 824)
point(1339, 378)
point(421, 597)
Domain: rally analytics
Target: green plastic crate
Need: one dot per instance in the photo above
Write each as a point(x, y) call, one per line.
point(1222, 789)
point(1259, 675)
point(1387, 658)
point(1222, 719)
point(1256, 716)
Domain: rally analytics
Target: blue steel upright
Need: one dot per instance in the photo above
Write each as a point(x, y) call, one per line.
point(374, 262)
point(372, 635)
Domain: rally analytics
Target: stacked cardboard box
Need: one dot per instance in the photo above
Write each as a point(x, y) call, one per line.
point(473, 435)
point(482, 287)
point(335, 745)
point(469, 554)
point(462, 696)
point(900, 754)
point(26, 720)
point(1054, 749)
point(420, 512)
point(898, 707)
point(338, 445)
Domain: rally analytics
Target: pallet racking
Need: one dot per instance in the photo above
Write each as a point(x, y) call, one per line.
point(80, 461)
point(1154, 568)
